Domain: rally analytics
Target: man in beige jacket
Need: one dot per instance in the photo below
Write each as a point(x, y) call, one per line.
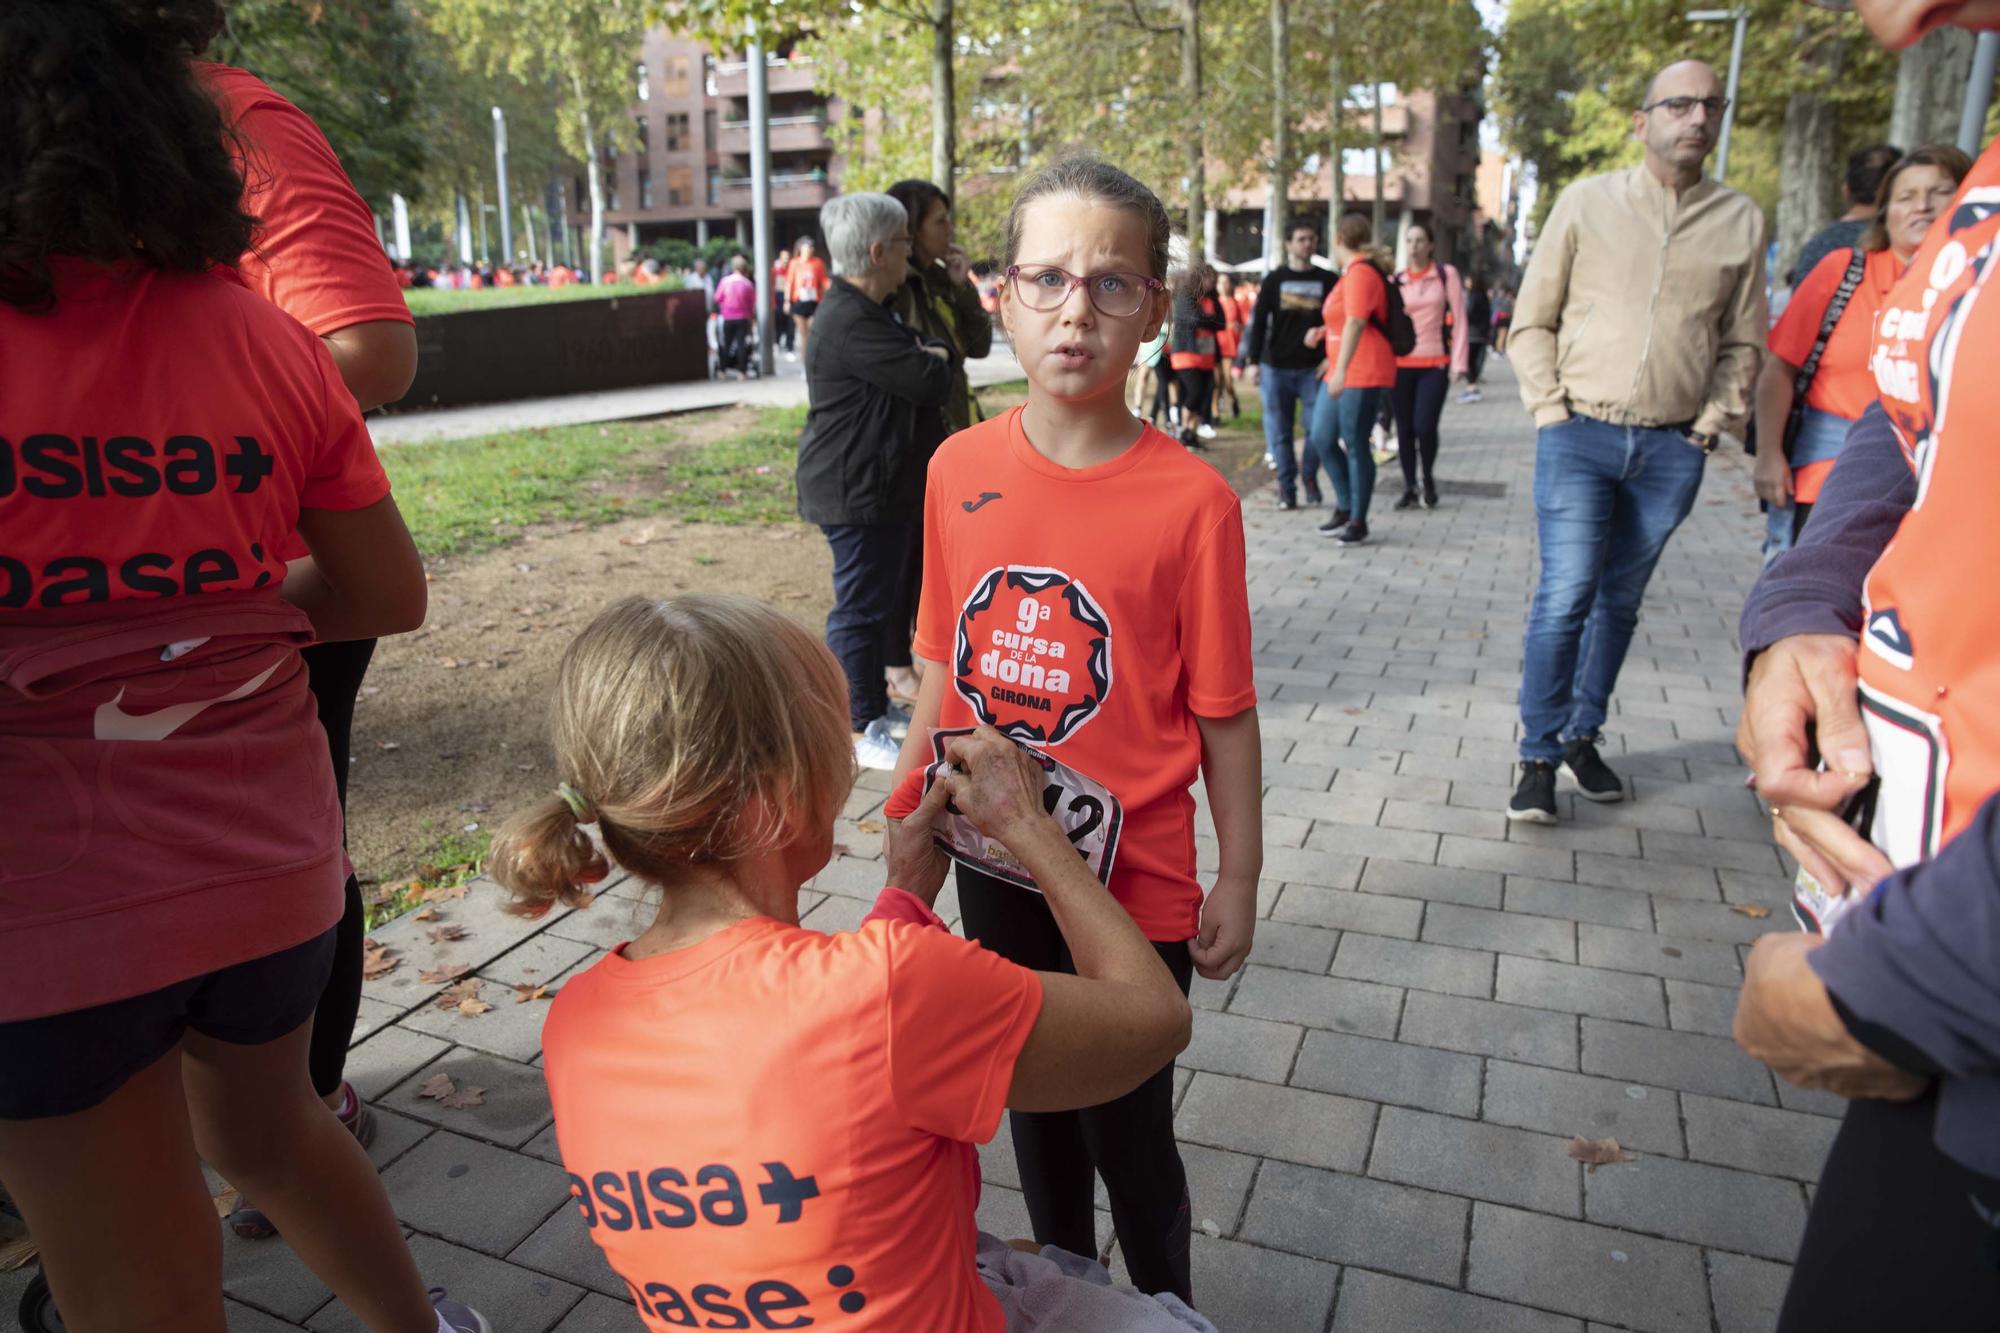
point(1636, 338)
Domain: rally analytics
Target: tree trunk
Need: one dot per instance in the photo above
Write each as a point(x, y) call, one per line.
point(1808, 165)
point(1277, 209)
point(1336, 119)
point(1930, 89)
point(1197, 196)
point(1375, 93)
point(944, 100)
point(595, 247)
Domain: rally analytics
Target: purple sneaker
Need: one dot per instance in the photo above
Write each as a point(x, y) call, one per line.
point(457, 1315)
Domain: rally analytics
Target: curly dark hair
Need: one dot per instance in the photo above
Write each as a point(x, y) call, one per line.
point(113, 150)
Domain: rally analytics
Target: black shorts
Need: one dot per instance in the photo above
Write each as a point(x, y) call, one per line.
point(67, 1063)
point(805, 309)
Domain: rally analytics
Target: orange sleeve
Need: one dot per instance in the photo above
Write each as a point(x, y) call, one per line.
point(1367, 297)
point(315, 254)
point(1214, 623)
point(1791, 338)
point(345, 473)
point(958, 1017)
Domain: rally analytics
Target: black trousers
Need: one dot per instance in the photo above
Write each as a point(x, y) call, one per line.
point(1896, 1239)
point(1129, 1142)
point(737, 335)
point(868, 574)
point(1475, 361)
point(335, 671)
point(1197, 392)
point(1418, 399)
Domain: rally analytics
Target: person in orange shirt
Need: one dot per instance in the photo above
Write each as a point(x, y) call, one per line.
point(770, 1127)
point(1227, 344)
point(1084, 592)
point(1194, 351)
point(1806, 437)
point(1360, 370)
point(805, 284)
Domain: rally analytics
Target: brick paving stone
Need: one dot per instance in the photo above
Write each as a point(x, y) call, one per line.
point(1218, 1186)
point(609, 921)
point(597, 1313)
point(267, 1275)
point(1353, 1220)
point(1247, 1047)
point(1504, 932)
point(1376, 1303)
point(1581, 990)
point(1693, 1201)
point(562, 1247)
point(1686, 1061)
point(1371, 840)
point(1746, 1292)
point(1387, 1071)
point(1624, 872)
point(1389, 786)
point(1320, 1002)
point(517, 1300)
point(1578, 902)
point(474, 1194)
point(1595, 1272)
point(1641, 1118)
point(1372, 914)
point(1289, 1124)
point(1446, 884)
point(1434, 967)
point(1757, 1138)
point(1693, 1007)
point(1506, 857)
point(1332, 806)
point(1481, 1027)
point(1299, 947)
point(1485, 1161)
point(1660, 955)
point(1721, 853)
point(387, 1058)
point(835, 915)
point(490, 931)
point(1302, 865)
point(1637, 814)
point(1718, 921)
point(1242, 1286)
point(1811, 1100)
point(241, 1318)
point(515, 1105)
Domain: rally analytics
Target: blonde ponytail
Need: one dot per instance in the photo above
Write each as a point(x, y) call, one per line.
point(543, 857)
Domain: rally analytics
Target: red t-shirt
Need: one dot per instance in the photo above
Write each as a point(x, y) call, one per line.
point(1095, 613)
point(774, 1127)
point(1843, 385)
point(315, 255)
point(806, 281)
point(159, 434)
point(1360, 294)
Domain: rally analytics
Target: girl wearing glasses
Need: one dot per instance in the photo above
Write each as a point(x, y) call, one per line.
point(1084, 593)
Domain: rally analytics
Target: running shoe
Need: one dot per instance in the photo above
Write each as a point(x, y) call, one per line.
point(1334, 526)
point(876, 748)
point(457, 1315)
point(1594, 779)
point(1354, 534)
point(1430, 495)
point(1313, 497)
point(1206, 431)
point(1535, 796)
point(1409, 500)
point(1471, 395)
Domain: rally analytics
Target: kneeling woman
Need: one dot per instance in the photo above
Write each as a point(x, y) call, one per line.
point(763, 1124)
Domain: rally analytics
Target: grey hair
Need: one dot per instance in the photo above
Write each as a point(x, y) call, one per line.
point(852, 223)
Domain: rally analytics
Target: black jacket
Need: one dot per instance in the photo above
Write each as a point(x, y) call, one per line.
point(1197, 319)
point(1287, 305)
point(935, 306)
point(867, 377)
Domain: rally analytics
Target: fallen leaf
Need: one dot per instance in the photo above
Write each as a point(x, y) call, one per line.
point(445, 934)
point(639, 538)
point(1594, 1153)
point(438, 893)
point(1751, 910)
point(450, 663)
point(438, 1087)
point(524, 993)
point(388, 745)
point(472, 1008)
point(425, 914)
point(870, 825)
point(226, 1200)
point(377, 961)
point(439, 975)
point(463, 1098)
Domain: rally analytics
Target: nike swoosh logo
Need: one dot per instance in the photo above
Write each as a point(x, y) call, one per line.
point(985, 498)
point(113, 723)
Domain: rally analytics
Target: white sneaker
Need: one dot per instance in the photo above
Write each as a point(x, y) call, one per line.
point(1271, 462)
point(1206, 431)
point(874, 748)
point(898, 720)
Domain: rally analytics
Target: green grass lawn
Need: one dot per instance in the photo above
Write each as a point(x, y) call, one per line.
point(439, 301)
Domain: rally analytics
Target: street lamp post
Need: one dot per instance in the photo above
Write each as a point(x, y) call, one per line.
point(1741, 17)
point(760, 203)
point(1978, 94)
point(500, 163)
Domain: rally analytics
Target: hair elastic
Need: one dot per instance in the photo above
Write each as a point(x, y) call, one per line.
point(579, 805)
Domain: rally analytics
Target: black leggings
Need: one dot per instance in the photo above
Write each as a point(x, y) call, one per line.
point(1418, 399)
point(335, 671)
point(1475, 361)
point(1129, 1142)
point(1197, 393)
point(1895, 1239)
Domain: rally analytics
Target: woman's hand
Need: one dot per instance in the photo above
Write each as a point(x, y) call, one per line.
point(1315, 335)
point(995, 783)
point(1773, 479)
point(911, 857)
point(1335, 384)
point(956, 266)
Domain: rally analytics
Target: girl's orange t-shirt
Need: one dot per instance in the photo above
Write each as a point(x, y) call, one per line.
point(1844, 385)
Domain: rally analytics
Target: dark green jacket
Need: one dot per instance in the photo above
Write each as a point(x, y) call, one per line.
point(932, 304)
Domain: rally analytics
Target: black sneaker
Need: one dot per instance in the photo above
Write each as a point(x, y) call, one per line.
point(1594, 779)
point(1353, 535)
point(1535, 795)
point(1430, 495)
point(1409, 500)
point(1314, 498)
point(1287, 502)
point(1334, 526)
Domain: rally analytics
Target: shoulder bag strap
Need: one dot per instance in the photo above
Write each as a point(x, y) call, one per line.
point(1850, 282)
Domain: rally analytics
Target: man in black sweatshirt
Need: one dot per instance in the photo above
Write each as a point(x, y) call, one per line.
point(1280, 362)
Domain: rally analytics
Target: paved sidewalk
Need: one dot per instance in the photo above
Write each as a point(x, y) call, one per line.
point(1375, 1111)
point(786, 388)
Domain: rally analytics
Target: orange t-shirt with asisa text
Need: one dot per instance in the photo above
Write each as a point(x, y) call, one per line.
point(774, 1128)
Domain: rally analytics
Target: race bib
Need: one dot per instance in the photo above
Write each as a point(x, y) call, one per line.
point(1086, 809)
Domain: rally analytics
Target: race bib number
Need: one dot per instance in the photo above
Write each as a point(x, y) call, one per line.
point(1086, 809)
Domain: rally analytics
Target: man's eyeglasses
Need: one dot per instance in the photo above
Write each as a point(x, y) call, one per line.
point(1116, 295)
point(1680, 108)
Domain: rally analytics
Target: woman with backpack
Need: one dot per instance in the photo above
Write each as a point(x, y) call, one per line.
point(1434, 299)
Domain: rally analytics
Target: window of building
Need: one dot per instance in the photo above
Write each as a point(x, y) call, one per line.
point(642, 141)
point(610, 179)
point(714, 185)
point(1361, 161)
point(645, 89)
point(708, 129)
point(708, 74)
point(677, 131)
point(645, 188)
point(680, 186)
point(677, 77)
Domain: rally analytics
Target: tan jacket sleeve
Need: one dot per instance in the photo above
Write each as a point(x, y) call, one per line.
point(1538, 306)
point(1739, 352)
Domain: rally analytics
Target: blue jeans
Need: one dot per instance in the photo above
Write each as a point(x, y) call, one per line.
point(1281, 388)
point(868, 571)
point(1341, 424)
point(1606, 500)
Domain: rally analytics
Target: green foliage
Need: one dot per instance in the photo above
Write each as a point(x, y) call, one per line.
point(673, 253)
point(719, 251)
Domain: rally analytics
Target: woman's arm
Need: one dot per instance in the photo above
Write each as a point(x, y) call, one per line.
point(377, 360)
point(1773, 473)
point(364, 578)
point(1232, 769)
point(1460, 335)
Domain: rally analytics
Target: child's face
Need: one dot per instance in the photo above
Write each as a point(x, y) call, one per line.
point(1073, 352)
